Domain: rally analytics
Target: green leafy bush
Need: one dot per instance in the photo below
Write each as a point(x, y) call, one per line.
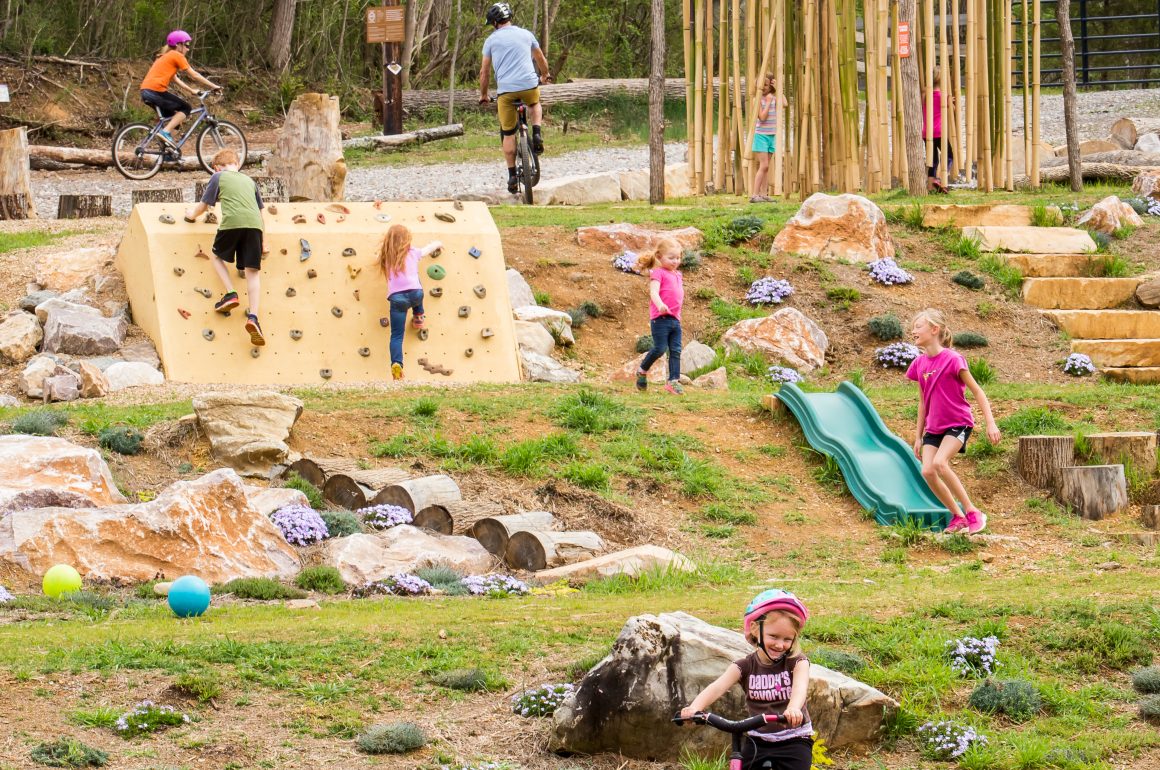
point(591, 309)
point(443, 578)
point(843, 294)
point(313, 493)
point(262, 589)
point(121, 439)
point(742, 229)
point(1017, 699)
point(1150, 708)
point(341, 523)
point(69, 752)
point(885, 327)
point(838, 660)
point(968, 279)
point(1103, 241)
point(323, 578)
point(542, 298)
point(39, 422)
point(463, 679)
point(644, 343)
point(982, 371)
point(691, 259)
point(970, 340)
point(203, 687)
point(1147, 680)
point(393, 738)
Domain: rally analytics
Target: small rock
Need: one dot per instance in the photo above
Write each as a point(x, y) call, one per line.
point(94, 383)
point(986, 557)
point(366, 557)
point(714, 380)
point(79, 329)
point(1149, 143)
point(162, 588)
point(557, 322)
point(1109, 215)
point(1147, 182)
point(20, 334)
point(141, 352)
point(69, 269)
point(1124, 134)
point(302, 604)
point(8, 401)
point(1108, 566)
point(696, 355)
point(29, 301)
point(541, 368)
point(63, 385)
point(519, 292)
point(31, 380)
point(622, 236)
point(578, 190)
point(131, 374)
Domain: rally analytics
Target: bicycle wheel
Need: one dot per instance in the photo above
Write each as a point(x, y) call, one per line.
point(524, 161)
point(223, 136)
point(133, 154)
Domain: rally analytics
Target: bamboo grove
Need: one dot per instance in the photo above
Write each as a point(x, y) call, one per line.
point(842, 86)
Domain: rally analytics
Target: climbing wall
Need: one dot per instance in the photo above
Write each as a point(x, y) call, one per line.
point(325, 317)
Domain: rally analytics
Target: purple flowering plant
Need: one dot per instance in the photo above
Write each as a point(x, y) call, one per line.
point(948, 740)
point(148, 717)
point(782, 374)
point(768, 291)
point(1079, 365)
point(300, 524)
point(400, 584)
point(887, 272)
point(385, 516)
point(625, 262)
point(5, 596)
point(541, 701)
point(896, 355)
point(495, 585)
point(971, 656)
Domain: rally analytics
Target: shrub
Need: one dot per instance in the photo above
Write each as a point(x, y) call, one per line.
point(393, 738)
point(1042, 216)
point(1015, 698)
point(261, 589)
point(885, 327)
point(982, 371)
point(341, 523)
point(968, 279)
point(591, 309)
point(843, 294)
point(121, 439)
point(1147, 680)
point(768, 291)
point(463, 679)
point(495, 585)
point(300, 525)
point(542, 298)
point(969, 340)
point(644, 343)
point(781, 374)
point(444, 579)
point(967, 247)
point(39, 422)
point(203, 687)
point(425, 407)
point(1103, 241)
point(973, 657)
point(742, 229)
point(313, 493)
point(401, 584)
point(579, 318)
point(691, 259)
point(947, 740)
point(480, 450)
point(896, 355)
point(541, 701)
point(323, 578)
point(384, 516)
point(147, 717)
point(838, 660)
point(69, 752)
point(1138, 204)
point(1150, 708)
point(589, 411)
point(1079, 365)
point(887, 272)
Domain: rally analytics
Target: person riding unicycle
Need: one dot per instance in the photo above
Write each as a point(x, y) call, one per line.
point(155, 87)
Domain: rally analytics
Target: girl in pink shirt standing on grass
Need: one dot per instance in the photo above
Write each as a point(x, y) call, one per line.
point(944, 416)
point(666, 290)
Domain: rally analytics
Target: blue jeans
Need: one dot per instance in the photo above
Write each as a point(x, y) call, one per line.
point(401, 302)
point(666, 334)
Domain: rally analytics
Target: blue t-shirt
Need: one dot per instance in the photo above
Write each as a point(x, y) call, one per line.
point(510, 51)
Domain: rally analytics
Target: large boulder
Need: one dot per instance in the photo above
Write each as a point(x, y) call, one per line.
point(204, 527)
point(543, 368)
point(840, 226)
point(142, 352)
point(267, 500)
point(366, 558)
point(20, 335)
point(72, 268)
point(787, 336)
point(131, 374)
point(534, 337)
point(1032, 240)
point(629, 562)
point(695, 355)
point(634, 185)
point(519, 292)
point(1109, 215)
point(38, 471)
point(557, 322)
point(79, 329)
point(658, 664)
point(628, 237)
point(248, 431)
point(578, 190)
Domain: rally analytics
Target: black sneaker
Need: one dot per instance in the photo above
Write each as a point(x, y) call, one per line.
point(256, 338)
point(227, 302)
point(513, 185)
point(537, 143)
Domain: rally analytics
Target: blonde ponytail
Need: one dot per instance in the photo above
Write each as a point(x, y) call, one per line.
point(935, 317)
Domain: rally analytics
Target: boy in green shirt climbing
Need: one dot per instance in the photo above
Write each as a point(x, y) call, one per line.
point(239, 238)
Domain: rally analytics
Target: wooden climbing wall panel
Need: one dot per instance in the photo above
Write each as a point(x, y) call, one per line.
point(327, 327)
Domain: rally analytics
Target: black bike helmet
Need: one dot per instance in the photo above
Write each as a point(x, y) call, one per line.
point(499, 13)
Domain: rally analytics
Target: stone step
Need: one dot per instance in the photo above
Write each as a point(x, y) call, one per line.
point(1079, 293)
point(1055, 265)
point(981, 215)
point(1032, 240)
point(1120, 353)
point(1133, 375)
point(1107, 324)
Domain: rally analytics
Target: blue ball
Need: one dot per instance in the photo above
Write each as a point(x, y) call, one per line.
point(188, 596)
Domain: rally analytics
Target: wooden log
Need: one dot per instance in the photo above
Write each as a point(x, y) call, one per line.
point(308, 153)
point(1040, 457)
point(104, 158)
point(271, 188)
point(162, 195)
point(456, 517)
point(417, 494)
point(537, 550)
point(1150, 516)
point(354, 489)
point(1137, 447)
point(579, 90)
point(493, 532)
point(315, 470)
point(1114, 172)
point(84, 206)
point(16, 200)
point(1092, 491)
point(408, 139)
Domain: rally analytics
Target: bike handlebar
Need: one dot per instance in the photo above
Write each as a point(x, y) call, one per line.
point(729, 725)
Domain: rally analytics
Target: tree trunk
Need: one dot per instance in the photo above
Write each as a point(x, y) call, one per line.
point(912, 106)
point(281, 34)
point(551, 7)
point(1070, 114)
point(1115, 172)
point(308, 154)
point(84, 206)
point(656, 107)
point(417, 494)
point(1093, 491)
point(451, 81)
point(316, 470)
point(409, 19)
point(1136, 447)
point(104, 159)
point(1150, 516)
point(161, 195)
point(15, 179)
point(354, 489)
point(535, 550)
point(1039, 458)
point(493, 532)
point(420, 136)
point(450, 517)
point(272, 189)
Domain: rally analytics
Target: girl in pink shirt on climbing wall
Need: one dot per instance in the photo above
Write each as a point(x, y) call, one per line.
point(399, 263)
point(944, 416)
point(666, 290)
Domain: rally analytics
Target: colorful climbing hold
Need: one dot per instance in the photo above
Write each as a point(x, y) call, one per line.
point(353, 270)
point(423, 334)
point(348, 252)
point(469, 352)
point(272, 209)
point(183, 313)
point(474, 252)
point(436, 291)
point(487, 332)
point(255, 352)
point(384, 322)
point(357, 298)
point(201, 254)
point(166, 219)
point(443, 216)
point(208, 334)
point(383, 217)
point(480, 291)
point(321, 219)
point(338, 208)
point(306, 252)
point(436, 272)
point(204, 292)
point(325, 374)
point(298, 219)
point(312, 273)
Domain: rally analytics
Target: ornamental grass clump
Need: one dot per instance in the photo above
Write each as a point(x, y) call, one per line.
point(948, 740)
point(971, 656)
point(896, 355)
point(68, 752)
point(887, 272)
point(768, 291)
point(300, 524)
point(39, 422)
point(1150, 708)
point(443, 578)
point(462, 679)
point(885, 327)
point(393, 738)
point(341, 523)
point(148, 717)
point(783, 374)
point(742, 229)
point(1017, 699)
point(495, 585)
point(401, 584)
point(121, 439)
point(625, 262)
point(1146, 680)
point(384, 516)
point(969, 280)
point(1079, 365)
point(541, 701)
point(322, 578)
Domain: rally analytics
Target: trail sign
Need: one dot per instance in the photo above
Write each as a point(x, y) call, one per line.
point(904, 40)
point(385, 24)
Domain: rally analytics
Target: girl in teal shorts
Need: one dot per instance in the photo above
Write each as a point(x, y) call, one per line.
point(764, 138)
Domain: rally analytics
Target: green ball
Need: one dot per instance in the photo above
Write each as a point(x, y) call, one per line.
point(436, 272)
point(60, 580)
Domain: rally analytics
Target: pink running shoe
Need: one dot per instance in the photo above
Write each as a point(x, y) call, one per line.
point(976, 522)
point(958, 524)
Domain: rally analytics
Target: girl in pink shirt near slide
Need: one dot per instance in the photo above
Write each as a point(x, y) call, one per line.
point(666, 291)
point(944, 416)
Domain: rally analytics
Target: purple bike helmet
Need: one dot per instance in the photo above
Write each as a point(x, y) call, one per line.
point(177, 37)
point(774, 599)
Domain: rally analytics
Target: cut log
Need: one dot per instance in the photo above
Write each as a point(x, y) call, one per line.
point(1150, 516)
point(308, 154)
point(271, 188)
point(104, 158)
point(417, 494)
point(1092, 491)
point(1040, 458)
point(553, 93)
point(411, 138)
point(493, 532)
point(1136, 447)
point(162, 195)
point(84, 206)
point(315, 470)
point(449, 517)
point(1124, 134)
point(354, 489)
point(536, 550)
point(1114, 172)
point(15, 179)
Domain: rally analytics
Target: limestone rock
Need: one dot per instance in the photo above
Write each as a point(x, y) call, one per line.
point(1147, 182)
point(8, 401)
point(60, 303)
point(623, 236)
point(31, 380)
point(677, 183)
point(266, 500)
point(634, 185)
point(94, 383)
point(542, 368)
point(141, 352)
point(1093, 146)
point(1109, 215)
point(696, 355)
point(63, 385)
point(1123, 134)
point(659, 663)
point(717, 379)
point(1149, 143)
point(841, 226)
point(1148, 293)
point(248, 431)
point(39, 471)
point(519, 292)
point(578, 190)
point(982, 214)
point(80, 330)
point(534, 337)
point(630, 562)
point(1032, 240)
point(557, 322)
point(29, 301)
point(20, 334)
point(132, 374)
point(71, 268)
point(658, 373)
point(364, 558)
point(787, 336)
point(204, 527)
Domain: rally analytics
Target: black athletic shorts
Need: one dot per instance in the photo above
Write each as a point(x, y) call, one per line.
point(791, 754)
point(168, 103)
point(245, 243)
point(960, 432)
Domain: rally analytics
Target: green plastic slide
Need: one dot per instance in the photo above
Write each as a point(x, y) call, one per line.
point(879, 468)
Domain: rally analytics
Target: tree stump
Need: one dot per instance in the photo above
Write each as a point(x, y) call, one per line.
point(446, 518)
point(417, 494)
point(308, 153)
point(536, 550)
point(353, 489)
point(1150, 516)
point(162, 195)
point(15, 176)
point(1137, 447)
point(1040, 458)
point(494, 532)
point(1092, 491)
point(315, 470)
point(271, 188)
point(84, 206)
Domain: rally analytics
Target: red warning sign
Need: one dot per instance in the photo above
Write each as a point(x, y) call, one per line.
point(903, 40)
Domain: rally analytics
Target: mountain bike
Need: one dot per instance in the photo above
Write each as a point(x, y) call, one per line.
point(735, 729)
point(139, 151)
point(527, 162)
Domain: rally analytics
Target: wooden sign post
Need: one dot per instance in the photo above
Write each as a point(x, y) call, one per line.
point(386, 26)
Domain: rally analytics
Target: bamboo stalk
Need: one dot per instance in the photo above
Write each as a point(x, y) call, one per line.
point(709, 75)
point(699, 99)
point(1035, 55)
point(752, 124)
point(899, 139)
point(1009, 134)
point(957, 91)
point(944, 81)
point(971, 158)
point(739, 182)
point(781, 138)
point(883, 67)
point(687, 33)
point(870, 160)
point(1026, 79)
point(722, 99)
point(928, 84)
point(985, 162)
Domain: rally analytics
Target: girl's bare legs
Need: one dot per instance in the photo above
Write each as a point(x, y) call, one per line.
point(759, 187)
point(936, 469)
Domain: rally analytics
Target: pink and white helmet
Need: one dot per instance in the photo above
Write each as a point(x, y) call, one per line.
point(774, 599)
point(177, 37)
